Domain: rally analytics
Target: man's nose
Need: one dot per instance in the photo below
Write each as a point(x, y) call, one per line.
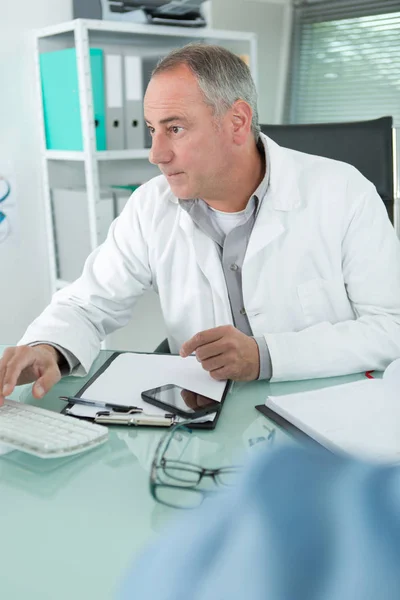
point(160, 151)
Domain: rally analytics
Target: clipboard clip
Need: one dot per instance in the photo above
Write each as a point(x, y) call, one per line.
point(132, 418)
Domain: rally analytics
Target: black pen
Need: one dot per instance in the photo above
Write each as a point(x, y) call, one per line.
point(114, 407)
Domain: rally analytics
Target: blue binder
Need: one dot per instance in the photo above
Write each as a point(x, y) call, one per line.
point(60, 90)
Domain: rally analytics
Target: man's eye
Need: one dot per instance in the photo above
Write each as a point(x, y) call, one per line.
point(151, 129)
point(176, 129)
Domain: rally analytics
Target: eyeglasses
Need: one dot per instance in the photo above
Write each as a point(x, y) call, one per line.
point(175, 482)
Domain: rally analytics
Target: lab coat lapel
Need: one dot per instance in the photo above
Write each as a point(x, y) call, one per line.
point(209, 262)
point(268, 226)
point(283, 196)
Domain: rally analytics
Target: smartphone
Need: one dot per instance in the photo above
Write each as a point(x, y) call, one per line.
point(180, 401)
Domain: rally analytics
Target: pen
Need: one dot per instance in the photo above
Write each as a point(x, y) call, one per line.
point(110, 405)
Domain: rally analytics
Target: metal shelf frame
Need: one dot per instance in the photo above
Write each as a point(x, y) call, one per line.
point(78, 33)
point(103, 155)
point(139, 29)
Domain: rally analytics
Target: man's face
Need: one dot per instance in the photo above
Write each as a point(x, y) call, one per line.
point(191, 148)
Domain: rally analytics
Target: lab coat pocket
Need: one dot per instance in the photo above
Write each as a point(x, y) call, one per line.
point(317, 299)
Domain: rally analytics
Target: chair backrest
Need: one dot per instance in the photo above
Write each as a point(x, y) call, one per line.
point(163, 347)
point(367, 145)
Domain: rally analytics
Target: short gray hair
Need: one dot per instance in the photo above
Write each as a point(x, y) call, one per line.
point(222, 76)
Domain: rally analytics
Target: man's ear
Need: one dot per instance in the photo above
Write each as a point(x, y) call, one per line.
point(241, 118)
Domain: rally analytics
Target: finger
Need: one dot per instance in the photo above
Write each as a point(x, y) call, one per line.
point(18, 360)
point(217, 348)
point(189, 398)
point(200, 339)
point(221, 374)
point(216, 362)
point(50, 377)
point(3, 362)
point(203, 400)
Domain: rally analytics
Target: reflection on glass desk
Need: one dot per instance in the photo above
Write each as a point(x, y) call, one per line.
point(73, 525)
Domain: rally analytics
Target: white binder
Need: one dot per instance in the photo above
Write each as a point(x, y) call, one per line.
point(115, 123)
point(134, 119)
point(149, 63)
point(72, 234)
point(121, 197)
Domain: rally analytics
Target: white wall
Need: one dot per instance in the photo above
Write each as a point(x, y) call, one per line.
point(271, 21)
point(23, 261)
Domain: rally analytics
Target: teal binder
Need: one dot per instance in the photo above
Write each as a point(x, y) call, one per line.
point(60, 90)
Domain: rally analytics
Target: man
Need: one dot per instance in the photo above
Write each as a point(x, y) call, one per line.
point(268, 262)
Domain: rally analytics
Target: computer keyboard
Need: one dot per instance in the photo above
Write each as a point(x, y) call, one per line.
point(45, 433)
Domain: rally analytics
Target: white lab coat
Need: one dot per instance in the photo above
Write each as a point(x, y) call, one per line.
point(321, 275)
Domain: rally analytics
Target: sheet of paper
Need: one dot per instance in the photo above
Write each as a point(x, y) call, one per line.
point(130, 374)
point(4, 449)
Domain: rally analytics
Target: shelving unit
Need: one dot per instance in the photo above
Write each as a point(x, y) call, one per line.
point(105, 155)
point(91, 168)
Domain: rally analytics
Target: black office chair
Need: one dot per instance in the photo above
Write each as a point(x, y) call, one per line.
point(367, 145)
point(163, 348)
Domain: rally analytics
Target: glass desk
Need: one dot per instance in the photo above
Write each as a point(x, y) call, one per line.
point(69, 527)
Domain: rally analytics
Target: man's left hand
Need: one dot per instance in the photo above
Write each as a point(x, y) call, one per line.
point(225, 352)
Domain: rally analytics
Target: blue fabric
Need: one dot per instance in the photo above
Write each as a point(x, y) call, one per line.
point(302, 524)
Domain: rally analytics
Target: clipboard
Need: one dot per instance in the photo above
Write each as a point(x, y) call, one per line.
point(107, 417)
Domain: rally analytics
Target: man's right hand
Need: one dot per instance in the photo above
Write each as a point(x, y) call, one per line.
point(27, 364)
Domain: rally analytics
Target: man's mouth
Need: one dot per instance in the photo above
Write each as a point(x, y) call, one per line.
point(171, 175)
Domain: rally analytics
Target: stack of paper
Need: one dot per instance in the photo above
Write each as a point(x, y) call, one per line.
point(360, 418)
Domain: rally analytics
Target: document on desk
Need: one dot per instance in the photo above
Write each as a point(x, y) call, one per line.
point(360, 418)
point(129, 374)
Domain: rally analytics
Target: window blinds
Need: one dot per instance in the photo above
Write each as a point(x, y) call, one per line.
point(345, 61)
